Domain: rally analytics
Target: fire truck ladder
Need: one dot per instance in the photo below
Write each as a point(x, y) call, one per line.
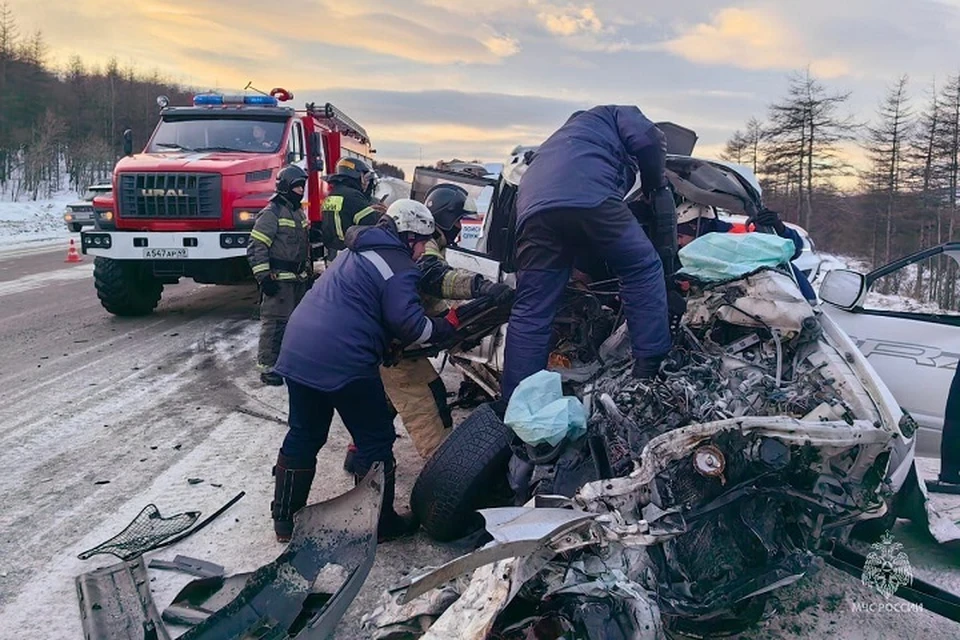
point(339, 120)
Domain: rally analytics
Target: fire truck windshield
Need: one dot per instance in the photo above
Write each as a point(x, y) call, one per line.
point(242, 135)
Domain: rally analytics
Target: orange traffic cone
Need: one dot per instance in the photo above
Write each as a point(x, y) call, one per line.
point(72, 254)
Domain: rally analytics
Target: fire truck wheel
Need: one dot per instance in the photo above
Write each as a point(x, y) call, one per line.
point(468, 471)
point(124, 289)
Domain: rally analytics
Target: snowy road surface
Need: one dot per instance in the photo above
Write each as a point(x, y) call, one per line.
point(102, 416)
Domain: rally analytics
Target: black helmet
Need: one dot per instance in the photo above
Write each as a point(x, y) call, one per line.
point(449, 203)
point(357, 170)
point(288, 179)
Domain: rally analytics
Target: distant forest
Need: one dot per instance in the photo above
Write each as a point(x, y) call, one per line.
point(62, 128)
point(906, 197)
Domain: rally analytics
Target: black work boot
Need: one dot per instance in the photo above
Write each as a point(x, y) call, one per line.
point(271, 378)
point(291, 490)
point(391, 525)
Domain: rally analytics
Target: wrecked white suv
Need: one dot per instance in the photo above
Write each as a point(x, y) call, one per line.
point(767, 437)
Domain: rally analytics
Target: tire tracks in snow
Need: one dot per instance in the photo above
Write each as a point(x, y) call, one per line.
point(130, 429)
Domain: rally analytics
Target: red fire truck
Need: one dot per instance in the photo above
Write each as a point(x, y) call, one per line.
point(184, 207)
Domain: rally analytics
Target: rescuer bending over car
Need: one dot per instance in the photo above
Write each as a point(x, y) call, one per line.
point(570, 203)
point(367, 297)
point(350, 202)
point(279, 255)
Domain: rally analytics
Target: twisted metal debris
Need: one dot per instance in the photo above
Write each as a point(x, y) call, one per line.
point(717, 373)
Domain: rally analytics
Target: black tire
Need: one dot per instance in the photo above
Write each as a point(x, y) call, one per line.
point(461, 475)
point(76, 227)
point(124, 288)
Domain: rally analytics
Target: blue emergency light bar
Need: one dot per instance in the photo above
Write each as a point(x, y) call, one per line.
point(217, 99)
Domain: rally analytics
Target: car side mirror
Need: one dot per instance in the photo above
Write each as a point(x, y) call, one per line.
point(128, 142)
point(842, 288)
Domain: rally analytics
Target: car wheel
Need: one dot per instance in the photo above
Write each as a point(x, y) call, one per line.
point(463, 475)
point(76, 227)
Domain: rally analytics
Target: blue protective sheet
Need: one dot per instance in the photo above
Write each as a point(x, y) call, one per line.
point(718, 257)
point(538, 411)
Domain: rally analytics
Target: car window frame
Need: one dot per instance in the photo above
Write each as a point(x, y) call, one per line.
point(887, 269)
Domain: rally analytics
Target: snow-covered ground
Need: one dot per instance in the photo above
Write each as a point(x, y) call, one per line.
point(30, 223)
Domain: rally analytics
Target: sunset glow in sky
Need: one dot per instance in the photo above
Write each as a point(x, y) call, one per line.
point(446, 78)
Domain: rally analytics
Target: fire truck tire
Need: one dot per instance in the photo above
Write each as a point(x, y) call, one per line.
point(124, 289)
point(461, 475)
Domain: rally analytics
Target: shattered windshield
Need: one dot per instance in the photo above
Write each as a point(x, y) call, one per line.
point(243, 135)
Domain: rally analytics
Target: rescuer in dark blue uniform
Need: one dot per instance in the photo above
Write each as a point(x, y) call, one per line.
point(332, 351)
point(570, 203)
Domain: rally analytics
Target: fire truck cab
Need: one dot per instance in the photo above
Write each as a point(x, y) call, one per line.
point(184, 206)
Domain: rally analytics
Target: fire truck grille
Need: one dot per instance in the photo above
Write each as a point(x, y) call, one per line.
point(169, 195)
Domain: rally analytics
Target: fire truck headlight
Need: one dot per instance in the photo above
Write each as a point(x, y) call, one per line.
point(244, 218)
point(233, 240)
point(104, 220)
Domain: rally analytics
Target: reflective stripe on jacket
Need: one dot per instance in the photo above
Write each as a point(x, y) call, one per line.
point(442, 282)
point(282, 234)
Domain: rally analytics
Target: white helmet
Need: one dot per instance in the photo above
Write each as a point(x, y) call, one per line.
point(412, 216)
point(690, 211)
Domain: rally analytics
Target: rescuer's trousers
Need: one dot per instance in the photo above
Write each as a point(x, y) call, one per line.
point(362, 406)
point(420, 397)
point(275, 311)
point(548, 244)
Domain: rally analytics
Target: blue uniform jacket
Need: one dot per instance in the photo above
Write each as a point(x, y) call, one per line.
point(365, 299)
point(712, 225)
point(593, 157)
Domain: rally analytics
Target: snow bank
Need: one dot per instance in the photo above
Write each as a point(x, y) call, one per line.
point(31, 223)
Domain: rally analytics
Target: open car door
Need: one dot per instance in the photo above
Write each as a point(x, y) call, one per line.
point(913, 344)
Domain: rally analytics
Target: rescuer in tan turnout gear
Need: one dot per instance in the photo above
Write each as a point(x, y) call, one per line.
point(279, 255)
point(414, 387)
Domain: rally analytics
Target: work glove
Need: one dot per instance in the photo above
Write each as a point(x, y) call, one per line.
point(452, 318)
point(768, 218)
point(646, 369)
point(394, 354)
point(269, 287)
point(500, 293)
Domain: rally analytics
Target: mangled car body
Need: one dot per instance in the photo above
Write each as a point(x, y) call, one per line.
point(719, 482)
point(767, 437)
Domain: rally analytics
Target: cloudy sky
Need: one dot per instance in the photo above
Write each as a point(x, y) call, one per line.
point(443, 78)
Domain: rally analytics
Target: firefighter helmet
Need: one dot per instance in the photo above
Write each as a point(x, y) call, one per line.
point(352, 167)
point(449, 203)
point(413, 217)
point(288, 179)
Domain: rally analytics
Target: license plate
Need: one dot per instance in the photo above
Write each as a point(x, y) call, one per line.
point(164, 254)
